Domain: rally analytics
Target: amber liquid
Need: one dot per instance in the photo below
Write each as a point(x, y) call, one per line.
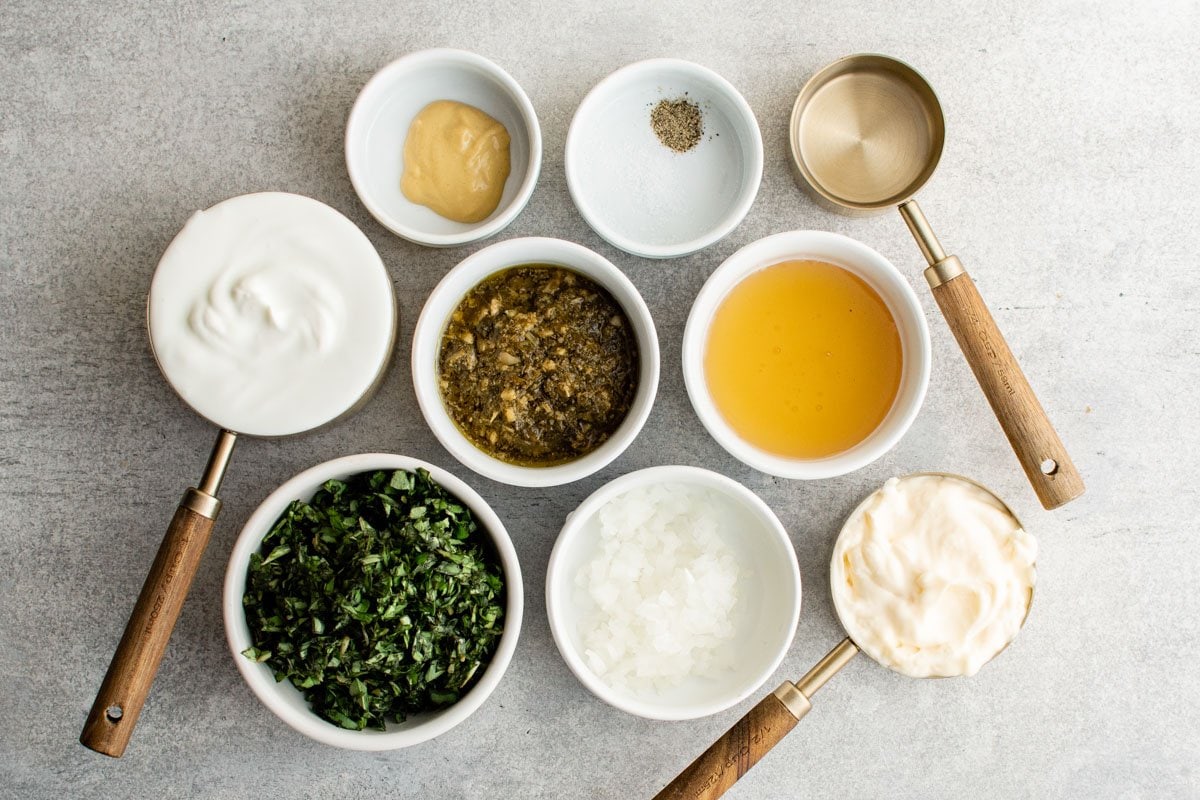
point(803, 359)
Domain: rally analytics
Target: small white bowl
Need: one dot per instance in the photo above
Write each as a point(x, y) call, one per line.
point(285, 700)
point(768, 611)
point(379, 123)
point(883, 277)
point(445, 298)
point(642, 196)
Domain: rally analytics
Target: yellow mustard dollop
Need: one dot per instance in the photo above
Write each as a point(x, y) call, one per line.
point(456, 161)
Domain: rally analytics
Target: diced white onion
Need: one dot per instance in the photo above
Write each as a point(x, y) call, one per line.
point(661, 590)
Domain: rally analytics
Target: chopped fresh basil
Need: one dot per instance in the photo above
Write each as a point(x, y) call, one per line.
point(377, 599)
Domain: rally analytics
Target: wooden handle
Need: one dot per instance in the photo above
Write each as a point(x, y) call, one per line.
point(732, 756)
point(1025, 423)
point(127, 682)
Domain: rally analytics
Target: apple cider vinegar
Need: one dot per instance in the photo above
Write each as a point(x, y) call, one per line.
point(803, 359)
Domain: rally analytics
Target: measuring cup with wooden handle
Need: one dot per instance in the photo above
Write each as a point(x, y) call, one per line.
point(276, 221)
point(866, 134)
point(765, 725)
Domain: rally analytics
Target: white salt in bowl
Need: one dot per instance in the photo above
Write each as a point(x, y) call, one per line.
point(379, 123)
point(640, 195)
point(765, 618)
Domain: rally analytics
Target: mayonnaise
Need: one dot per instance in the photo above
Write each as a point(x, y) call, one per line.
point(271, 314)
point(932, 576)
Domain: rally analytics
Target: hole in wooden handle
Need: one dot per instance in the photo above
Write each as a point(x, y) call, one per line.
point(1049, 466)
point(114, 713)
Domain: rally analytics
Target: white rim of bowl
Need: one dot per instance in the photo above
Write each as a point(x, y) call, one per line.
point(808, 244)
point(572, 528)
point(528, 116)
point(431, 323)
point(749, 123)
point(258, 676)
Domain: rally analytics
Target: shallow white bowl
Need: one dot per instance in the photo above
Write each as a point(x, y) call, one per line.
point(379, 123)
point(872, 268)
point(464, 277)
point(284, 699)
point(643, 197)
point(768, 610)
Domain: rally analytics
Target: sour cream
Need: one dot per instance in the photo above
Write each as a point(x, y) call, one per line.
point(271, 314)
point(932, 576)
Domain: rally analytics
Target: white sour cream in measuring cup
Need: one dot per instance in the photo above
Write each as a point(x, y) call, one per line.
point(932, 576)
point(271, 314)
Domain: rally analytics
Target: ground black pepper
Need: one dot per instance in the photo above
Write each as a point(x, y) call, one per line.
point(677, 123)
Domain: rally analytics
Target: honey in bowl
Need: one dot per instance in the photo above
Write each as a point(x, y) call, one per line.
point(803, 359)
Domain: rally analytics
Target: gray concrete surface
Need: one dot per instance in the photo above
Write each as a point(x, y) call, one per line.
point(1068, 186)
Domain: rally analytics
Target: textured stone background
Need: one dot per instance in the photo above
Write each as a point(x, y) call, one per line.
point(1068, 187)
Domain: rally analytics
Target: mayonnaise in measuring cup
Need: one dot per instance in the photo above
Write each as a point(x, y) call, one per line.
point(271, 314)
point(932, 576)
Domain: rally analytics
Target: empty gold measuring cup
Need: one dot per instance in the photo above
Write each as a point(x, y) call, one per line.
point(866, 134)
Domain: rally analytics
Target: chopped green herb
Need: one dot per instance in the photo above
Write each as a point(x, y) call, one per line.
point(377, 599)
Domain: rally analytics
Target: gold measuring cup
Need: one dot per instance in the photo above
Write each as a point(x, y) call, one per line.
point(131, 672)
point(866, 133)
point(765, 725)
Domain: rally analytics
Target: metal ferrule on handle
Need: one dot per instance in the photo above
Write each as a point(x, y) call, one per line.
point(941, 267)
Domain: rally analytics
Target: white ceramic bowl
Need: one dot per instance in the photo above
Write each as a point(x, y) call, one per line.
point(644, 197)
point(284, 699)
point(464, 277)
point(379, 123)
point(872, 268)
point(768, 608)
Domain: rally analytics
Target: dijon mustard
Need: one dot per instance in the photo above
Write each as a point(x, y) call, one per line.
point(456, 161)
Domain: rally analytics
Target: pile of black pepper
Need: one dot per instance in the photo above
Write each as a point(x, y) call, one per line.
point(677, 123)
